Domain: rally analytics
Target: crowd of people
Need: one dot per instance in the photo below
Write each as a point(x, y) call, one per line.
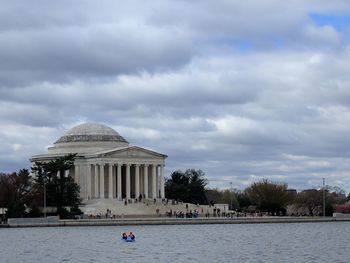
point(200, 212)
point(181, 214)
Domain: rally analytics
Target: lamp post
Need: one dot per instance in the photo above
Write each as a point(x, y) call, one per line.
point(44, 185)
point(44, 199)
point(324, 198)
point(231, 195)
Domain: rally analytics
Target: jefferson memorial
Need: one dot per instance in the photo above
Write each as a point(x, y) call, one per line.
point(106, 166)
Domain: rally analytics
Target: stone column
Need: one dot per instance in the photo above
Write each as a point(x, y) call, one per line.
point(141, 177)
point(97, 194)
point(154, 181)
point(102, 181)
point(127, 181)
point(76, 174)
point(110, 181)
point(88, 181)
point(145, 180)
point(137, 180)
point(162, 192)
point(119, 181)
point(114, 181)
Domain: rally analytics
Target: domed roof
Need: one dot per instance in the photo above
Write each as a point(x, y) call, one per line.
point(91, 132)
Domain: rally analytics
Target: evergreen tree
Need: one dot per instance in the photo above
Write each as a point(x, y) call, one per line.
point(196, 188)
point(61, 190)
point(188, 186)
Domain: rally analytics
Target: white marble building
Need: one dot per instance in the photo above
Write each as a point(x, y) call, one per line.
point(106, 166)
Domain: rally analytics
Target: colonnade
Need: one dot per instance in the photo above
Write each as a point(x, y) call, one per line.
point(121, 180)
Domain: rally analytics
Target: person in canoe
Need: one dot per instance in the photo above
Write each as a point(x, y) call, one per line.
point(128, 238)
point(132, 236)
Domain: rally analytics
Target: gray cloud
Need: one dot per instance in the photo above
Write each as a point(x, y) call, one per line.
point(242, 91)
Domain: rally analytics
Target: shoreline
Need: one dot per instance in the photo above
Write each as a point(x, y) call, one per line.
point(174, 221)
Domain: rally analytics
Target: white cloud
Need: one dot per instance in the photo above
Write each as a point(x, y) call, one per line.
point(322, 35)
point(244, 91)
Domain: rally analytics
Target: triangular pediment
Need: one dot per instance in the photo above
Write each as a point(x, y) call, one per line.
point(130, 152)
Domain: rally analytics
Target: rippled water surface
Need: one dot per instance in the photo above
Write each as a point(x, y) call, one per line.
point(302, 242)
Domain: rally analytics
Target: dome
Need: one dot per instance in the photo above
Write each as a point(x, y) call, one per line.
point(91, 132)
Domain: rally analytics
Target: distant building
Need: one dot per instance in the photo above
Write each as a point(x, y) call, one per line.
point(106, 165)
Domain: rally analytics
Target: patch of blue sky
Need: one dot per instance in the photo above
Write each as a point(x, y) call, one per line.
point(243, 45)
point(278, 42)
point(339, 22)
point(240, 45)
point(225, 45)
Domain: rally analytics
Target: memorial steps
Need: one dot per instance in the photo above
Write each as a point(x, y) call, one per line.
point(146, 208)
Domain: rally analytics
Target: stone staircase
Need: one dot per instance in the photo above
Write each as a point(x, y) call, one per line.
point(145, 208)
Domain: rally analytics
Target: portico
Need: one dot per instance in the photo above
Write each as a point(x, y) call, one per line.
point(106, 179)
point(106, 167)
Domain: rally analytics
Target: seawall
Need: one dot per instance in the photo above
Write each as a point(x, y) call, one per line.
point(172, 221)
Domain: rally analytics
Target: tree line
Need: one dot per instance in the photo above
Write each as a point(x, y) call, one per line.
point(263, 196)
point(23, 195)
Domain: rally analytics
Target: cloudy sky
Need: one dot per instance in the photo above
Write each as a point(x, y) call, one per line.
point(243, 90)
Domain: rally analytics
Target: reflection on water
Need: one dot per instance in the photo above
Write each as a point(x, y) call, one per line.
point(299, 242)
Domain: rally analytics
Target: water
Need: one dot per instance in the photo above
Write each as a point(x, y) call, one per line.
point(299, 242)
